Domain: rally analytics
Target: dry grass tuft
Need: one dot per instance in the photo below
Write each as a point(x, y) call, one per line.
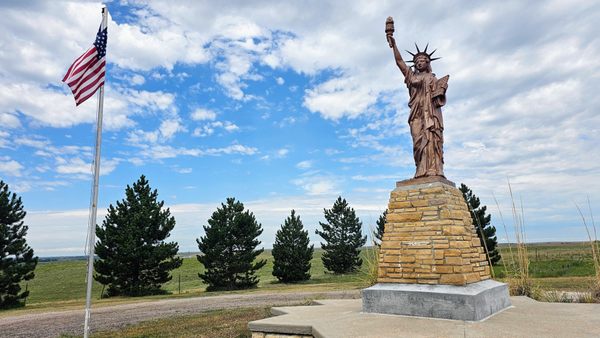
point(370, 265)
point(519, 281)
point(594, 293)
point(556, 297)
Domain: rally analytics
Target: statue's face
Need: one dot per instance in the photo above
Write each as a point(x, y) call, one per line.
point(421, 63)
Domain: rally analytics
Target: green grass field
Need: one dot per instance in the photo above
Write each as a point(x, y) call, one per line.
point(554, 266)
point(561, 266)
point(62, 283)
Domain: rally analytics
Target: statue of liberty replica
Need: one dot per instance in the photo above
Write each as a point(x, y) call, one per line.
point(431, 262)
point(427, 97)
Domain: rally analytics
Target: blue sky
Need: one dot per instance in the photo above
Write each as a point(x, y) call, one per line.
point(288, 105)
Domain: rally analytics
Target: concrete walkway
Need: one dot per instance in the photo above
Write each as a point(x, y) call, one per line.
point(343, 319)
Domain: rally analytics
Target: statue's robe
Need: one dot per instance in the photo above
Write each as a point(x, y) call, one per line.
point(427, 96)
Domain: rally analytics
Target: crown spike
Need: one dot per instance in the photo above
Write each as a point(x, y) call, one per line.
point(409, 52)
point(430, 54)
point(418, 51)
point(433, 59)
point(425, 51)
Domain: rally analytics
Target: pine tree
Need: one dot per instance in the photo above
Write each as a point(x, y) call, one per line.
point(17, 262)
point(482, 221)
point(343, 238)
point(378, 232)
point(291, 253)
point(228, 248)
point(133, 257)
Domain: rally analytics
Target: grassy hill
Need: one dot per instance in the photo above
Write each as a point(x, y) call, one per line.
point(61, 283)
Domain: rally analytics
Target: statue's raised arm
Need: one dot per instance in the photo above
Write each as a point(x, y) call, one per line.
point(427, 95)
point(389, 33)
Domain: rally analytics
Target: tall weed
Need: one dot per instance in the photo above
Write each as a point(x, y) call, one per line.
point(517, 271)
point(593, 240)
point(370, 258)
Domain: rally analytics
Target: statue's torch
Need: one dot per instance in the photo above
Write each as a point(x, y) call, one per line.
point(389, 29)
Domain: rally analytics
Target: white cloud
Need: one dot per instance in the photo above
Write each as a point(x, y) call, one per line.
point(276, 154)
point(33, 102)
point(373, 178)
point(280, 81)
point(137, 79)
point(340, 97)
point(10, 167)
point(168, 128)
point(203, 131)
point(160, 152)
point(81, 168)
point(282, 152)
point(304, 164)
point(286, 121)
point(232, 149)
point(165, 132)
point(210, 128)
point(3, 138)
point(202, 114)
point(155, 43)
point(230, 127)
point(47, 107)
point(8, 120)
point(314, 183)
point(183, 170)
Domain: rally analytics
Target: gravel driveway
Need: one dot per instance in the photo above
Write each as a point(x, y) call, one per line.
point(52, 324)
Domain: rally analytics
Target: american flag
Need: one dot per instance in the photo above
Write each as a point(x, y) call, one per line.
point(87, 73)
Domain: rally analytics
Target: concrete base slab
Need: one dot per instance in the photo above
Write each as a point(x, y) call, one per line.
point(345, 319)
point(471, 302)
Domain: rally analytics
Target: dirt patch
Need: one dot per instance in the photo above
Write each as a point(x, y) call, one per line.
point(53, 324)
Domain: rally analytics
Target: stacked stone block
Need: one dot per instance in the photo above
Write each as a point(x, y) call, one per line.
point(429, 237)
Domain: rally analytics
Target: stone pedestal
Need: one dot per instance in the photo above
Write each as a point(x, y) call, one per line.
point(431, 262)
point(429, 236)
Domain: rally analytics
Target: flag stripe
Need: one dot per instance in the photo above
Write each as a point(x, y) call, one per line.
point(91, 88)
point(78, 61)
point(87, 75)
point(89, 85)
point(80, 70)
point(82, 99)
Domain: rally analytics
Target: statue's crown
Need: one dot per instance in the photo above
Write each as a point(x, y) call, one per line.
point(422, 53)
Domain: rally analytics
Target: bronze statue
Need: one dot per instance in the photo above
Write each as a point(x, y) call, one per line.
point(427, 96)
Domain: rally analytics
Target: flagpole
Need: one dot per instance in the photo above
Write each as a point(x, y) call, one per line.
point(94, 206)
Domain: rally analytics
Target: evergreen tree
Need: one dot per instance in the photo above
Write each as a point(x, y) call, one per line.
point(482, 221)
point(17, 262)
point(378, 232)
point(291, 253)
point(228, 248)
point(343, 236)
point(133, 257)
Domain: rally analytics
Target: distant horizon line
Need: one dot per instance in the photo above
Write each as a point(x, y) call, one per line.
point(186, 253)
